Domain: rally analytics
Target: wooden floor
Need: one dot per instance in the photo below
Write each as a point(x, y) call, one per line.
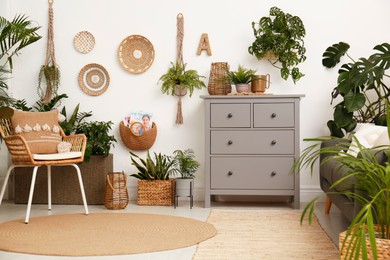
point(333, 223)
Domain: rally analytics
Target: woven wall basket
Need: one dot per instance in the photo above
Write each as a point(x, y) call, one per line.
point(218, 86)
point(382, 247)
point(156, 193)
point(116, 195)
point(138, 142)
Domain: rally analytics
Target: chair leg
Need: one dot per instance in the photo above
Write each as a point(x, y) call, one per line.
point(81, 188)
point(49, 187)
point(30, 196)
point(5, 182)
point(328, 204)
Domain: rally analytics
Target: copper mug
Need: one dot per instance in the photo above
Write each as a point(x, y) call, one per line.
point(260, 83)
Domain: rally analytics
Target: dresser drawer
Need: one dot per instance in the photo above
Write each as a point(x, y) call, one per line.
point(249, 173)
point(252, 142)
point(230, 115)
point(273, 115)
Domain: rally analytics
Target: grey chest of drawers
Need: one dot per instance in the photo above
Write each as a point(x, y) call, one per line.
point(251, 144)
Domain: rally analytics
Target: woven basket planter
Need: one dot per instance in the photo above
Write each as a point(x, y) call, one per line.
point(382, 247)
point(138, 142)
point(116, 195)
point(156, 193)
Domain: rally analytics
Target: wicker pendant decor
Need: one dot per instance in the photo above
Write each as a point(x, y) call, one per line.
point(94, 79)
point(84, 42)
point(136, 54)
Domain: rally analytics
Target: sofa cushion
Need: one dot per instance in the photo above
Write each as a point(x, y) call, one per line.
point(40, 129)
point(367, 135)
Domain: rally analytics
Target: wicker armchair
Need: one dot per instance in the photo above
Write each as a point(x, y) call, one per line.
point(22, 157)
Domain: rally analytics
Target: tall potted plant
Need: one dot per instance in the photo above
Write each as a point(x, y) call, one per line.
point(177, 81)
point(361, 86)
point(280, 37)
point(154, 185)
point(369, 232)
point(14, 36)
point(186, 167)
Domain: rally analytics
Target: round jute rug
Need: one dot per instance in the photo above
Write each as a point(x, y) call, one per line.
point(102, 234)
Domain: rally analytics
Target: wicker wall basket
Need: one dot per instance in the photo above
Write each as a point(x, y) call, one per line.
point(156, 193)
point(138, 142)
point(382, 247)
point(116, 195)
point(218, 86)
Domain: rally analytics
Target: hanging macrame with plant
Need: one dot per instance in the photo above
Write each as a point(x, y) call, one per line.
point(49, 72)
point(179, 60)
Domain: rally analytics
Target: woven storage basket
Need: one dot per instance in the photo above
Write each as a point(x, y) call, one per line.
point(138, 142)
point(116, 195)
point(156, 193)
point(218, 86)
point(382, 247)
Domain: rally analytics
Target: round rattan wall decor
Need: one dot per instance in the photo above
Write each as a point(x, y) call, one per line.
point(94, 79)
point(84, 42)
point(136, 54)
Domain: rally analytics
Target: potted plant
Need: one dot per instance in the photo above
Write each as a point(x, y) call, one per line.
point(372, 223)
point(186, 166)
point(14, 36)
point(361, 86)
point(177, 81)
point(154, 185)
point(280, 34)
point(241, 78)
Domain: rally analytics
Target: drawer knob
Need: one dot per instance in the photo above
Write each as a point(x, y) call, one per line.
point(230, 142)
point(273, 115)
point(273, 173)
point(273, 142)
point(230, 173)
point(230, 115)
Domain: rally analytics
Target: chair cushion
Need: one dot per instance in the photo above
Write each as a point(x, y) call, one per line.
point(40, 129)
point(57, 156)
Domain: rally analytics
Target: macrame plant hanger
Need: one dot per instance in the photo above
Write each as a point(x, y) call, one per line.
point(50, 70)
point(179, 59)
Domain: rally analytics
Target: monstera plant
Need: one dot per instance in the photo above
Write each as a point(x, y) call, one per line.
point(361, 86)
point(14, 36)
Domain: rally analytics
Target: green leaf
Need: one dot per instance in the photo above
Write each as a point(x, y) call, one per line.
point(354, 101)
point(334, 130)
point(332, 54)
point(382, 59)
point(341, 116)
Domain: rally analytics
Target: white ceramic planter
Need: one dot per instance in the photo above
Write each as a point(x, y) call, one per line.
point(184, 187)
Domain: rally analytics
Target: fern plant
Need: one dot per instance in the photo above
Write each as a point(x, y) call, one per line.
point(241, 76)
point(148, 169)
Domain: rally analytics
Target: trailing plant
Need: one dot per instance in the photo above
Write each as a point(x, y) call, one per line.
point(370, 178)
point(99, 140)
point(185, 79)
point(49, 73)
point(241, 76)
point(185, 163)
point(280, 34)
point(14, 36)
point(158, 169)
point(361, 86)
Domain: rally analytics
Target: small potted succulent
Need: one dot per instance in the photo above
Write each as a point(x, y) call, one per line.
point(241, 78)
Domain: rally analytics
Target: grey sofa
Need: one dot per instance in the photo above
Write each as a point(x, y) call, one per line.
point(330, 172)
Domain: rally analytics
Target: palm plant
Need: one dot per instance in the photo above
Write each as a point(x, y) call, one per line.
point(158, 169)
point(14, 36)
point(373, 182)
point(185, 163)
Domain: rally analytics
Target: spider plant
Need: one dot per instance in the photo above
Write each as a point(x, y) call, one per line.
point(158, 169)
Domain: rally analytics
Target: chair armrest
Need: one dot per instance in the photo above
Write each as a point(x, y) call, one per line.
point(19, 150)
point(78, 142)
point(338, 144)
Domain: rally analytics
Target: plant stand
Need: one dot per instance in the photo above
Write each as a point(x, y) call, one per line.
point(180, 192)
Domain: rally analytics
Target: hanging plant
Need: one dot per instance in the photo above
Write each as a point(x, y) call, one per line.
point(50, 71)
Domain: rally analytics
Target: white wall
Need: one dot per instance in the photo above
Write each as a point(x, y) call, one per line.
point(363, 24)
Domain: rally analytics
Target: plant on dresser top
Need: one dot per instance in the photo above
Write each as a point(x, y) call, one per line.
point(280, 35)
point(241, 78)
point(154, 185)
